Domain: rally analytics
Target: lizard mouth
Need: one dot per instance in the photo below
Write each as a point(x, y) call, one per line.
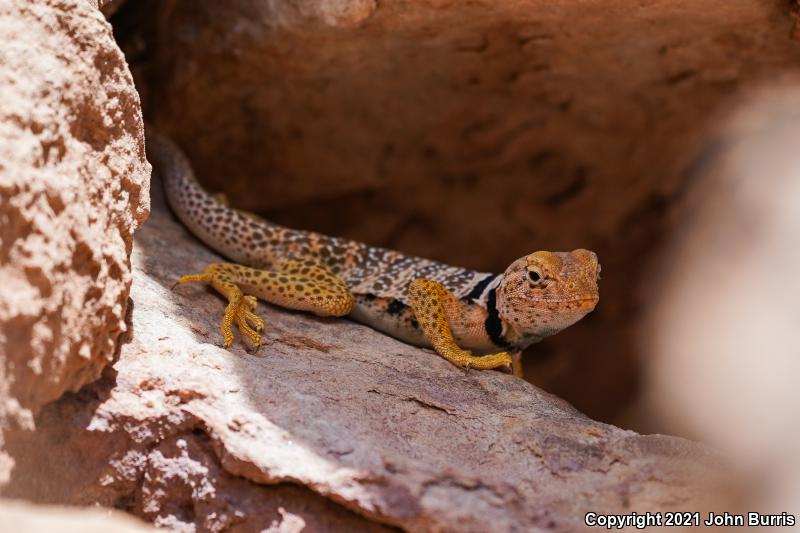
point(588, 299)
point(585, 305)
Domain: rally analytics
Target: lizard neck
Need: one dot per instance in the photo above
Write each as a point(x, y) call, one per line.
point(502, 333)
point(495, 326)
point(497, 334)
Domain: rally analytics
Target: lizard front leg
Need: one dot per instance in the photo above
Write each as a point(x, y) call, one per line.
point(299, 285)
point(516, 365)
point(429, 300)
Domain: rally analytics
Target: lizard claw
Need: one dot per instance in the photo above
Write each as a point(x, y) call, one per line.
point(240, 310)
point(248, 322)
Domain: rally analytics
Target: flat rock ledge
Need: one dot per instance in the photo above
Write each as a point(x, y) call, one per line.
point(331, 426)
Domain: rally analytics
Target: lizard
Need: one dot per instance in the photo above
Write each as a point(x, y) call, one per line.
point(472, 319)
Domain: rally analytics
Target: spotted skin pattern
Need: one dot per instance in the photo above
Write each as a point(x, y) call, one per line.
point(472, 319)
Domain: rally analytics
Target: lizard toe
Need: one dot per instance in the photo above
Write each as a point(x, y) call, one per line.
point(247, 321)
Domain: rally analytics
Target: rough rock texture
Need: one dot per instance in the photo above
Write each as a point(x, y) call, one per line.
point(73, 188)
point(27, 518)
point(470, 132)
point(328, 419)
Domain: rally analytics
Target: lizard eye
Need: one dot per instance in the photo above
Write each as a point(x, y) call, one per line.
point(535, 275)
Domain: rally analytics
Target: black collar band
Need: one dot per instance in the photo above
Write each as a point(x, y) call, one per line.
point(494, 325)
point(477, 290)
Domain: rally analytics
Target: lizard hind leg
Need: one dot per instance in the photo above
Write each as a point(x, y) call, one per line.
point(299, 285)
point(429, 300)
point(305, 285)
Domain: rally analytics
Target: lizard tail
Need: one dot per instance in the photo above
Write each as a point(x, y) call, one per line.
point(249, 240)
point(241, 238)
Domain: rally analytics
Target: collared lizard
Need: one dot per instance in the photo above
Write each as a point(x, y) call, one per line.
point(455, 311)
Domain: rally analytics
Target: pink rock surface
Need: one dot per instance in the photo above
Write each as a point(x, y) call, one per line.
point(73, 188)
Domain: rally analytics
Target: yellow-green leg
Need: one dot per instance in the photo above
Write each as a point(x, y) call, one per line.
point(428, 300)
point(300, 285)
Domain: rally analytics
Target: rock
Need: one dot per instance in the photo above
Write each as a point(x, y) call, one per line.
point(29, 518)
point(73, 188)
point(330, 424)
point(469, 132)
point(108, 7)
point(723, 337)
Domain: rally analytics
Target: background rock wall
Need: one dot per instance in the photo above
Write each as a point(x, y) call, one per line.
point(74, 186)
point(469, 132)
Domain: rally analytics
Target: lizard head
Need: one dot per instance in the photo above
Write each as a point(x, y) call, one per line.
point(545, 292)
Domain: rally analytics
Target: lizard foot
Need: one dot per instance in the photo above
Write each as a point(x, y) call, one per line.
point(240, 309)
point(466, 360)
point(249, 323)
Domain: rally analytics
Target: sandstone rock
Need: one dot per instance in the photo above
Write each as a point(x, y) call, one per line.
point(330, 424)
point(470, 132)
point(27, 518)
point(73, 188)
